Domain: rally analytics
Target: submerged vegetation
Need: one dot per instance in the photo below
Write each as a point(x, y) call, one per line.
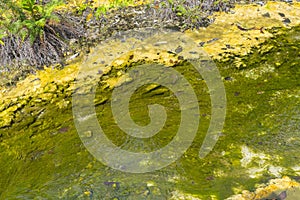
point(42, 156)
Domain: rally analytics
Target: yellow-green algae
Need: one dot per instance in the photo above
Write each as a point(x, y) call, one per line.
point(42, 156)
point(226, 32)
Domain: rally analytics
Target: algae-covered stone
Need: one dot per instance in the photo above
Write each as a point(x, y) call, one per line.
point(227, 29)
point(5, 120)
point(271, 190)
point(63, 103)
point(46, 96)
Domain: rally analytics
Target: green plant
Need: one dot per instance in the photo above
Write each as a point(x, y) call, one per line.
point(121, 3)
point(102, 9)
point(26, 18)
point(181, 10)
point(2, 35)
point(82, 7)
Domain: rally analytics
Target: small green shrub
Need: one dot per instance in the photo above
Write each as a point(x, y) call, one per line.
point(101, 10)
point(33, 33)
point(26, 18)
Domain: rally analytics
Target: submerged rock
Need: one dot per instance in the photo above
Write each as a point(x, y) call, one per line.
point(281, 189)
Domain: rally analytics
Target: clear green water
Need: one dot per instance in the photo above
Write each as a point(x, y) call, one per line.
point(43, 158)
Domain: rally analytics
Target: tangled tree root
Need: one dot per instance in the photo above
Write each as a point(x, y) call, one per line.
point(47, 49)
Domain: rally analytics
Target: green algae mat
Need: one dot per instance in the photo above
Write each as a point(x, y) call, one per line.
point(44, 154)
